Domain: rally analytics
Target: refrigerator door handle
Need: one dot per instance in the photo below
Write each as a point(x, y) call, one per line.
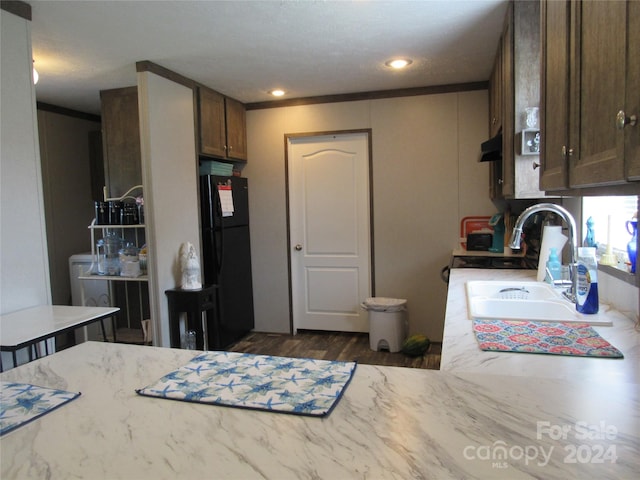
point(210, 201)
point(218, 207)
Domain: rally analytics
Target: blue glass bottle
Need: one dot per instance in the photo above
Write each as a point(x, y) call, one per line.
point(554, 266)
point(632, 246)
point(590, 237)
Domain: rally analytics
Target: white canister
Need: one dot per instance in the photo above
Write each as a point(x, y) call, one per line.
point(129, 261)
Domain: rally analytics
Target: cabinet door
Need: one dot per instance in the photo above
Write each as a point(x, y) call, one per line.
point(508, 109)
point(632, 104)
point(495, 94)
point(211, 123)
point(598, 92)
point(554, 104)
point(121, 139)
point(236, 130)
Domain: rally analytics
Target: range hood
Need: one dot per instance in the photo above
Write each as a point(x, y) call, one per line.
point(492, 149)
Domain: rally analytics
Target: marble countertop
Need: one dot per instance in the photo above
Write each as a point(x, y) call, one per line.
point(32, 324)
point(391, 423)
point(460, 351)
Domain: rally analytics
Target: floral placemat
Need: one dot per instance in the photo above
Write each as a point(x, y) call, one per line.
point(554, 338)
point(301, 386)
point(21, 403)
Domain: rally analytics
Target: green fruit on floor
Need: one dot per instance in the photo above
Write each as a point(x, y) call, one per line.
point(416, 345)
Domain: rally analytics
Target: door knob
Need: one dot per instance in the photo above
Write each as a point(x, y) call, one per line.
point(622, 120)
point(298, 247)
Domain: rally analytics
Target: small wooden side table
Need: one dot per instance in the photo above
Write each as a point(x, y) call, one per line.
point(193, 303)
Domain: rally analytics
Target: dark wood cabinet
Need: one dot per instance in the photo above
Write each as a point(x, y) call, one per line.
point(221, 126)
point(597, 92)
point(554, 107)
point(236, 121)
point(495, 94)
point(590, 77)
point(508, 105)
point(517, 72)
point(632, 100)
point(211, 123)
point(121, 139)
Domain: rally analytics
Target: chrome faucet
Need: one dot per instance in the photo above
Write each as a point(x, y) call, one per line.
point(573, 243)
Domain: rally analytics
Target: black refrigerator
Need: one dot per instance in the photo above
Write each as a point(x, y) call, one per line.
point(226, 256)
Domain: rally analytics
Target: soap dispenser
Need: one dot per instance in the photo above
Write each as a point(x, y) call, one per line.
point(554, 267)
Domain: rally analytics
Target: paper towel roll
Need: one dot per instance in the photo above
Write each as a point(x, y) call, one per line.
point(552, 237)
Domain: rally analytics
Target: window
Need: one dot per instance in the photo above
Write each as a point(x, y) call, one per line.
point(617, 210)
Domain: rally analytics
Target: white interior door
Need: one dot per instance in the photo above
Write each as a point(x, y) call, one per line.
point(329, 231)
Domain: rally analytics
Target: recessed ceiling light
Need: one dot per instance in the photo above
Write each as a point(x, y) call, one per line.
point(278, 92)
point(398, 63)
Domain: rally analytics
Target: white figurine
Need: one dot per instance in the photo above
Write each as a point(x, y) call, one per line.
point(190, 265)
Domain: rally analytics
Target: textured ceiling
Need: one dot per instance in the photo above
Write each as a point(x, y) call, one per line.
point(243, 49)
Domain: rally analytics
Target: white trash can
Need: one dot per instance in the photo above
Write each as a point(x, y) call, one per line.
point(387, 323)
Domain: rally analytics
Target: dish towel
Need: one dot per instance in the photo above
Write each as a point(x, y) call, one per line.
point(277, 384)
point(554, 338)
point(21, 403)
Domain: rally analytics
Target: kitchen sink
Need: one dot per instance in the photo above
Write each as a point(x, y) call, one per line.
point(524, 301)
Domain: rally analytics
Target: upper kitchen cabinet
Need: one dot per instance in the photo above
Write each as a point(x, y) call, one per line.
point(221, 126)
point(632, 95)
point(518, 62)
point(121, 139)
point(591, 95)
point(507, 90)
point(495, 94)
point(554, 107)
point(212, 130)
point(236, 119)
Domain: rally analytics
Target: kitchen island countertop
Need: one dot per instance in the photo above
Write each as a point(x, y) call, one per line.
point(391, 423)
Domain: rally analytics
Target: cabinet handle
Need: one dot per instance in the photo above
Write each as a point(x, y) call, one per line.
point(500, 181)
point(536, 165)
point(622, 120)
point(566, 151)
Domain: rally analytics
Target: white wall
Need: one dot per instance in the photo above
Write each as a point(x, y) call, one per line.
point(66, 173)
point(170, 180)
point(24, 268)
point(473, 176)
point(425, 178)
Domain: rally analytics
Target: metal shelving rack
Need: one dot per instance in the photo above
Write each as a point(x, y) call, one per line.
point(92, 272)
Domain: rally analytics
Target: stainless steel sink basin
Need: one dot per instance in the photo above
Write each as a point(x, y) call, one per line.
point(524, 301)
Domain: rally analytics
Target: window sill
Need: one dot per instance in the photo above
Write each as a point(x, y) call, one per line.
point(627, 277)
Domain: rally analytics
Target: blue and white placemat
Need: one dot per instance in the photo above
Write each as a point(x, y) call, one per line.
point(300, 386)
point(21, 403)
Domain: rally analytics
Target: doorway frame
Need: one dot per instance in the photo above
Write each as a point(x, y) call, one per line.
point(287, 137)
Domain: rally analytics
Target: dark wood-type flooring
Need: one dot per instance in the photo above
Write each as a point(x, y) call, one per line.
point(317, 344)
point(333, 346)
